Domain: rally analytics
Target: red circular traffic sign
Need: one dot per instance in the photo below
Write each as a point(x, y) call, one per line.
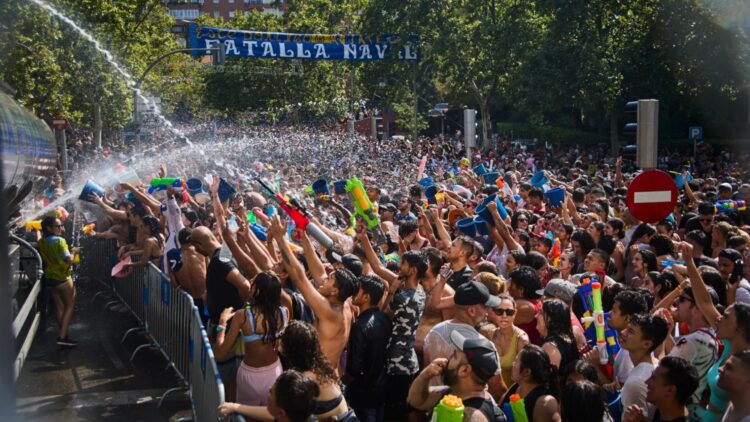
point(59, 123)
point(652, 196)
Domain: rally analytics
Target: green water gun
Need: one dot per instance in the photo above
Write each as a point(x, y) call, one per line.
point(362, 205)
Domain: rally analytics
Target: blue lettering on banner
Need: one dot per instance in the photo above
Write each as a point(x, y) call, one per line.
point(352, 47)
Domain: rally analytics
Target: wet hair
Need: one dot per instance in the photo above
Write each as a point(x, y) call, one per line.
point(574, 394)
point(649, 259)
point(153, 226)
point(697, 236)
point(742, 312)
point(266, 298)
point(735, 242)
point(585, 239)
point(712, 278)
point(536, 360)
point(417, 260)
point(607, 244)
point(406, 228)
point(662, 245)
point(296, 394)
point(667, 281)
point(183, 237)
point(48, 224)
point(653, 328)
point(682, 375)
point(518, 255)
point(647, 296)
point(581, 367)
point(373, 286)
point(346, 282)
point(301, 352)
point(487, 267)
point(706, 208)
point(535, 260)
point(631, 303)
point(434, 259)
point(557, 319)
point(527, 279)
point(643, 229)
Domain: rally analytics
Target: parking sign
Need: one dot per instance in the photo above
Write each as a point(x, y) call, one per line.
point(695, 133)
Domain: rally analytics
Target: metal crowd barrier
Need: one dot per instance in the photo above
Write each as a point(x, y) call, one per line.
point(172, 321)
point(206, 388)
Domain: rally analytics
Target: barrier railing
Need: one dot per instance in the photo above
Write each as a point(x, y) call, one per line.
point(206, 388)
point(170, 318)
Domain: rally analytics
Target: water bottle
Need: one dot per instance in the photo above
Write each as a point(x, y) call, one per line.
point(449, 409)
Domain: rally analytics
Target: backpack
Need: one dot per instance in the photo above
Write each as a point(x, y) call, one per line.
point(301, 311)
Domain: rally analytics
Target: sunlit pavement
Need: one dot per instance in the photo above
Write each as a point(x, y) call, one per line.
point(96, 381)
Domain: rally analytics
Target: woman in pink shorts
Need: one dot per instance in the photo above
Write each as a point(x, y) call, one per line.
point(260, 325)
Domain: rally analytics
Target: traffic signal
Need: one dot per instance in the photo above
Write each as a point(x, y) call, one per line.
point(646, 129)
point(218, 54)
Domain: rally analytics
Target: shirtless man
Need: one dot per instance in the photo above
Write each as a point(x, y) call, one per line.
point(187, 269)
point(436, 310)
point(330, 303)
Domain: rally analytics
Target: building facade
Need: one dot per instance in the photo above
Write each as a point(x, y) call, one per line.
point(225, 9)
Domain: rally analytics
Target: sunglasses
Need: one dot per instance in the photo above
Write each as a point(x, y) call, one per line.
point(501, 311)
point(683, 299)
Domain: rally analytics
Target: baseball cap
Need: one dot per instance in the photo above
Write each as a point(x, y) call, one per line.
point(350, 261)
point(388, 207)
point(558, 288)
point(475, 293)
point(725, 186)
point(479, 352)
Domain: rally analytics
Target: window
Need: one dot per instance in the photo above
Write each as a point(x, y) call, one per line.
point(231, 1)
point(216, 13)
point(216, 1)
point(231, 14)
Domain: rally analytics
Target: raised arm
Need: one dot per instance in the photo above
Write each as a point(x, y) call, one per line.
point(246, 263)
point(116, 214)
point(317, 302)
point(440, 227)
point(702, 298)
point(314, 264)
point(373, 259)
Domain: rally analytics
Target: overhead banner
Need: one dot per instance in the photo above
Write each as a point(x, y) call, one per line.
point(277, 45)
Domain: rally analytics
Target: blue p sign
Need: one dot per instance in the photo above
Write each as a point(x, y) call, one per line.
point(696, 133)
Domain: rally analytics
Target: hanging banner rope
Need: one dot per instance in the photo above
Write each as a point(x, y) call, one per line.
point(277, 45)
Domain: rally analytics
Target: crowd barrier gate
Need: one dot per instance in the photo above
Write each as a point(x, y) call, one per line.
point(171, 320)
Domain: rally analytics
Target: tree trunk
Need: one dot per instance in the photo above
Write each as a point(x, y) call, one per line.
point(483, 108)
point(98, 124)
point(614, 130)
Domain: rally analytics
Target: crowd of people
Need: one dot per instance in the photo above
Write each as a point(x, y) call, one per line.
point(387, 320)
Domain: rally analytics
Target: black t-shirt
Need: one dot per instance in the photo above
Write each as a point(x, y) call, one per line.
point(220, 294)
point(460, 277)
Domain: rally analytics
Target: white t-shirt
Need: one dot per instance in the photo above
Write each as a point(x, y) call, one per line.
point(731, 417)
point(623, 366)
point(700, 349)
point(634, 390)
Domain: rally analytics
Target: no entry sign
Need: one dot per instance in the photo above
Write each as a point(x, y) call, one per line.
point(652, 196)
point(59, 123)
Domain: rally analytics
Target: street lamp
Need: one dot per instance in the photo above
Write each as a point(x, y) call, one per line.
point(439, 110)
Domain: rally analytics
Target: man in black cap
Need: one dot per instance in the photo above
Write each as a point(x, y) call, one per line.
point(466, 374)
point(472, 301)
point(349, 261)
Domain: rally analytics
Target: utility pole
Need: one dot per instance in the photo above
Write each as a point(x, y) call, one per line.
point(414, 111)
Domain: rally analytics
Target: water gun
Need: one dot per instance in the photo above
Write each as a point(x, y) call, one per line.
point(162, 183)
point(600, 333)
point(362, 205)
point(554, 253)
point(515, 410)
point(299, 216)
point(670, 262)
point(449, 409)
point(61, 213)
point(33, 225)
point(88, 228)
point(597, 317)
point(729, 206)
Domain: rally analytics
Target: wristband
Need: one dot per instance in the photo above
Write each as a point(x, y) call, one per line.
point(221, 327)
